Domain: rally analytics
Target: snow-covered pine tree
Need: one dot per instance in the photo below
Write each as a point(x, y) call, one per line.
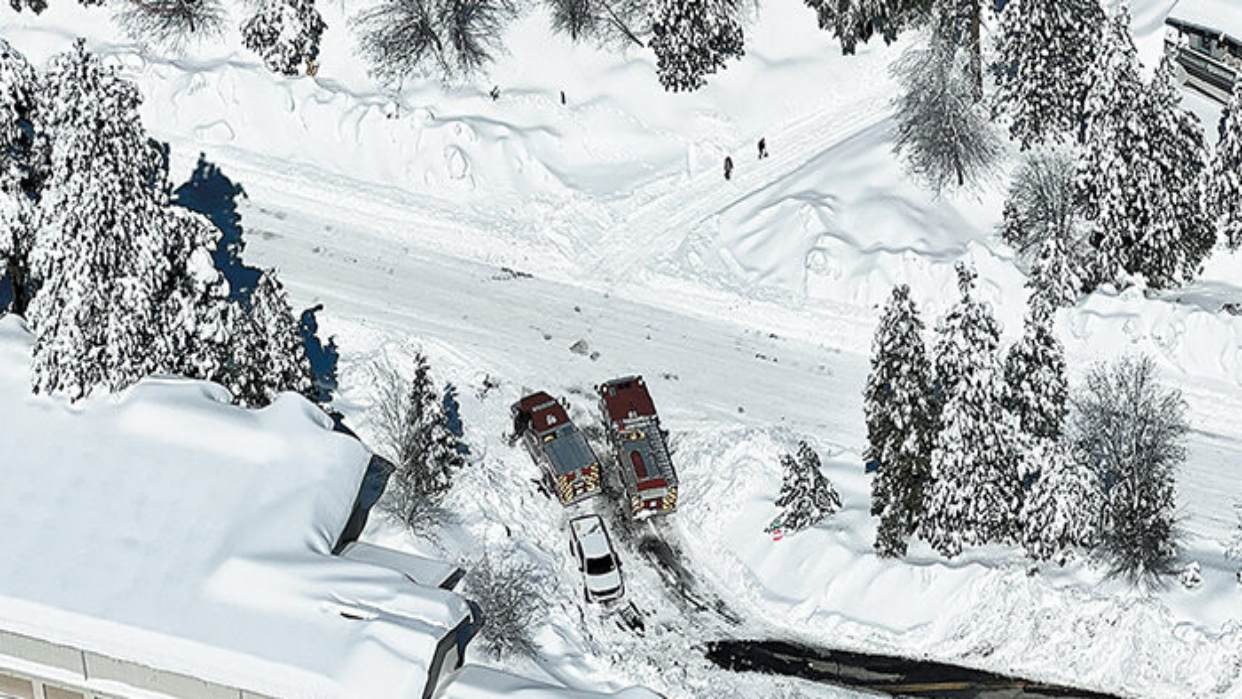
point(416, 432)
point(1061, 510)
point(1037, 391)
point(975, 495)
point(1045, 52)
point(1113, 186)
point(268, 355)
point(285, 34)
point(897, 404)
point(195, 303)
point(943, 133)
point(807, 496)
point(693, 39)
point(856, 21)
point(1224, 184)
point(98, 255)
point(18, 172)
point(1180, 233)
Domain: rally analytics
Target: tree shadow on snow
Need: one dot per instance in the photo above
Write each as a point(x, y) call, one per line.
point(211, 193)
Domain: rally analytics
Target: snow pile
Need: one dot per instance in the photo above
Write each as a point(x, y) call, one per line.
point(166, 527)
point(982, 609)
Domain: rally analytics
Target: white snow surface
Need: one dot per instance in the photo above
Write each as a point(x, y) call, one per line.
point(166, 527)
point(749, 305)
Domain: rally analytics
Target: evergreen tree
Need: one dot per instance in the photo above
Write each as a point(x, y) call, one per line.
point(1131, 432)
point(1180, 233)
point(693, 39)
point(1045, 53)
point(1140, 180)
point(1058, 276)
point(18, 172)
point(268, 355)
point(1224, 187)
point(194, 302)
point(807, 497)
point(1037, 391)
point(98, 254)
point(1113, 191)
point(285, 33)
point(975, 493)
point(856, 21)
point(1061, 508)
point(897, 404)
point(415, 430)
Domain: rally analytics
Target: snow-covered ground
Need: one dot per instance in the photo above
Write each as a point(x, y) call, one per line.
point(748, 305)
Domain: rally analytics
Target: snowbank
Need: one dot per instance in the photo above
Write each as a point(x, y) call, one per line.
point(168, 528)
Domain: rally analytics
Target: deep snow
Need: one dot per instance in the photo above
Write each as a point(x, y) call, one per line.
point(748, 304)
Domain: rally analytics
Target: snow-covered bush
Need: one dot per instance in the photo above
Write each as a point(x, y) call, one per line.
point(807, 496)
point(1224, 189)
point(446, 39)
point(1131, 431)
point(975, 494)
point(285, 33)
point(414, 431)
point(944, 134)
point(507, 589)
point(171, 24)
point(1045, 52)
point(897, 405)
point(1042, 222)
point(693, 39)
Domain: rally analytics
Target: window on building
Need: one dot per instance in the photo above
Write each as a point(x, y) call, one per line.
point(15, 687)
point(54, 692)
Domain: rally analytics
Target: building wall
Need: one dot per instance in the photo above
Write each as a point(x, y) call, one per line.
point(35, 669)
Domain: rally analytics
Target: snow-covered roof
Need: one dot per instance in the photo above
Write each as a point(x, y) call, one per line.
point(424, 571)
point(1223, 16)
point(169, 528)
point(475, 682)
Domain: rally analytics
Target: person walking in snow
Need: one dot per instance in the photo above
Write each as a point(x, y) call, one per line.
point(728, 168)
point(763, 148)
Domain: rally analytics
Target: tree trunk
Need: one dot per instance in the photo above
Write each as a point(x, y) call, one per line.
point(20, 283)
point(976, 48)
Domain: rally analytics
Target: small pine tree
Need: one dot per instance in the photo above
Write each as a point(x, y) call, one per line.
point(897, 404)
point(1045, 53)
point(285, 34)
point(807, 496)
point(1224, 187)
point(975, 495)
point(268, 354)
point(693, 39)
point(415, 430)
point(1061, 509)
point(1036, 389)
point(1131, 431)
